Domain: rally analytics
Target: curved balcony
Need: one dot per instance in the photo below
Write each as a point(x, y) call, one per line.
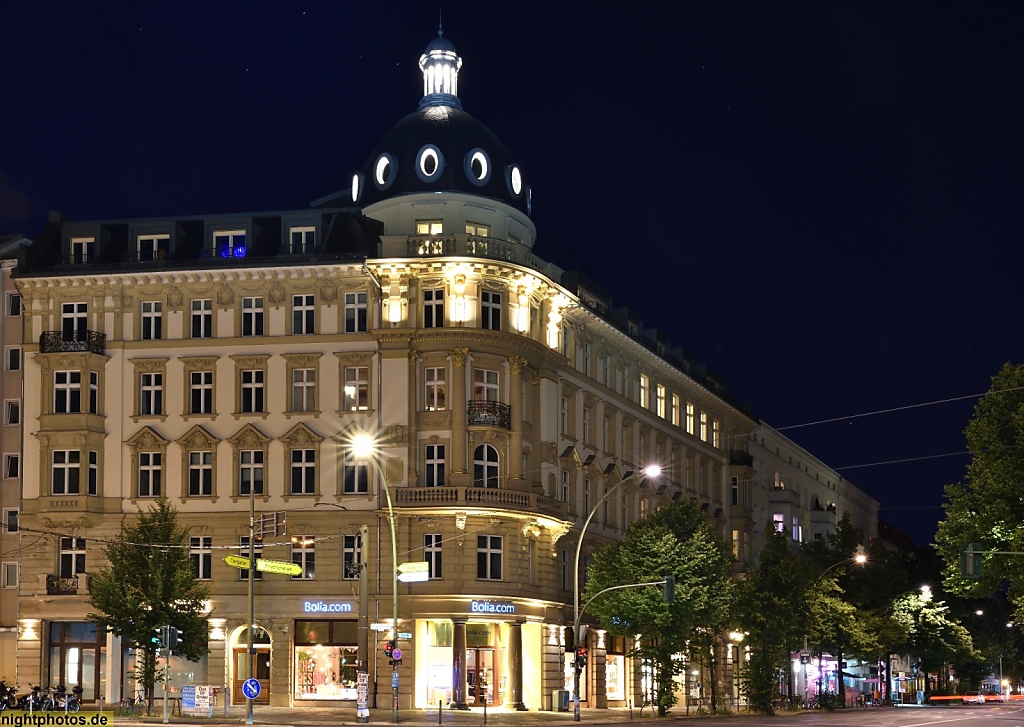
point(73, 341)
point(489, 414)
point(57, 586)
point(463, 498)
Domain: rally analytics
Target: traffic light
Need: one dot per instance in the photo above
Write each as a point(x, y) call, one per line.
point(668, 589)
point(581, 656)
point(173, 639)
point(970, 560)
point(157, 639)
point(389, 648)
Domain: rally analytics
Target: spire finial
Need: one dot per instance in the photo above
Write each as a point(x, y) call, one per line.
point(440, 25)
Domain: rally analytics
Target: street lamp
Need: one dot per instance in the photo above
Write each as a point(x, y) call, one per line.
point(651, 471)
point(364, 447)
point(860, 559)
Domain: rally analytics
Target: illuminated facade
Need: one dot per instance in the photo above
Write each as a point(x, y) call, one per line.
point(209, 359)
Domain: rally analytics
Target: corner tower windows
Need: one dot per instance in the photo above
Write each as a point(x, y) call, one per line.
point(384, 171)
point(478, 167)
point(515, 181)
point(429, 163)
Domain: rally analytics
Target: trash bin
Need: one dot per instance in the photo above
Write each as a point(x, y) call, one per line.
point(560, 700)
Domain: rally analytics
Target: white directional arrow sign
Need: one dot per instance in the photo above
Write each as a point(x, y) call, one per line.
point(414, 577)
point(414, 571)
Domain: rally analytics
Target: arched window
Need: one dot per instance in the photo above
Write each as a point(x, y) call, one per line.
point(485, 467)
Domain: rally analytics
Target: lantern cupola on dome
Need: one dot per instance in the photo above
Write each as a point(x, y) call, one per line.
point(440, 65)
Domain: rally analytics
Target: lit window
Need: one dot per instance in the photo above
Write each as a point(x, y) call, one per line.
point(429, 227)
point(704, 426)
point(675, 409)
point(357, 388)
point(689, 418)
point(659, 402)
point(476, 230)
point(229, 243)
point(435, 388)
point(304, 556)
point(645, 391)
point(716, 433)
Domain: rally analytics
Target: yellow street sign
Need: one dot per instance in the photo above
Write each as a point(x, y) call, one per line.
point(237, 561)
point(278, 566)
point(416, 566)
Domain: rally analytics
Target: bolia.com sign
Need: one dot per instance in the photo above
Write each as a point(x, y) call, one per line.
point(326, 607)
point(491, 607)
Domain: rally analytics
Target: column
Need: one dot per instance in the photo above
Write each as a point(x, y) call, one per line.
point(515, 665)
point(516, 364)
point(413, 398)
point(459, 665)
point(459, 404)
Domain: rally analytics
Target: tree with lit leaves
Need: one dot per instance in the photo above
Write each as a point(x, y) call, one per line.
point(675, 540)
point(986, 507)
point(148, 583)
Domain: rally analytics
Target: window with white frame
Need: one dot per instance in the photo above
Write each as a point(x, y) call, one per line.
point(200, 552)
point(434, 393)
point(250, 472)
point(13, 304)
point(200, 385)
point(432, 554)
point(490, 310)
point(303, 390)
point(151, 320)
point(304, 556)
point(689, 418)
point(779, 522)
point(12, 411)
point(716, 433)
point(74, 318)
point(13, 358)
point(645, 391)
point(252, 390)
point(83, 250)
point(200, 473)
point(10, 522)
point(586, 358)
point(485, 385)
point(675, 410)
point(586, 494)
point(586, 425)
point(151, 394)
point(357, 388)
point(93, 484)
point(150, 474)
point(302, 240)
point(433, 308)
point(229, 243)
point(303, 471)
point(660, 401)
point(704, 426)
point(355, 312)
point(252, 316)
point(94, 392)
point(429, 227)
point(303, 315)
point(564, 415)
point(254, 554)
point(355, 474)
point(202, 318)
point(485, 467)
point(477, 230)
point(153, 247)
point(565, 569)
point(434, 465)
point(350, 557)
point(71, 557)
point(606, 371)
point(565, 486)
point(65, 472)
point(67, 392)
point(9, 574)
point(12, 466)
point(488, 557)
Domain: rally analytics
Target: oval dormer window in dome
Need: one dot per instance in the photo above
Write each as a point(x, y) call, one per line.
point(514, 178)
point(429, 163)
point(357, 186)
point(478, 167)
point(384, 171)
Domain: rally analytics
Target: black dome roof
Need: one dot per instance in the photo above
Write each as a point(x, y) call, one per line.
point(455, 138)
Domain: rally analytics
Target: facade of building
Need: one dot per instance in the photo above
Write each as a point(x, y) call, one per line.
point(221, 361)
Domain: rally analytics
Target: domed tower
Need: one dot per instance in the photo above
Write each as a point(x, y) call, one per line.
point(439, 172)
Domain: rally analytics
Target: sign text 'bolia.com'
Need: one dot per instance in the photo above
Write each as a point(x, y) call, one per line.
point(491, 607)
point(326, 607)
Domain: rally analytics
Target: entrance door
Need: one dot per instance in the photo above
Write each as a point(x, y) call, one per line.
point(260, 671)
point(480, 677)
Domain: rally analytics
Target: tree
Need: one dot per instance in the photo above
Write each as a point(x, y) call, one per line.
point(931, 635)
point(986, 508)
point(148, 583)
point(675, 540)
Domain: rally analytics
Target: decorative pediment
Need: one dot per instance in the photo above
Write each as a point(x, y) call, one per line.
point(252, 361)
point(356, 358)
point(146, 439)
point(149, 364)
point(302, 360)
point(199, 362)
point(225, 295)
point(249, 437)
point(393, 435)
point(328, 291)
point(570, 458)
point(198, 438)
point(275, 293)
point(301, 436)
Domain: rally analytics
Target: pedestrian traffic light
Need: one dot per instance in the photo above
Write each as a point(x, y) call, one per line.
point(581, 656)
point(389, 648)
point(173, 639)
point(668, 589)
point(157, 639)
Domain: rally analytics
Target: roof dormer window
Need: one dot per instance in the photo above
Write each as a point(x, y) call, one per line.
point(83, 250)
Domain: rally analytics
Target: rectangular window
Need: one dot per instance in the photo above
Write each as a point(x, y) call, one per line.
point(202, 318)
point(490, 310)
point(67, 392)
point(303, 471)
point(488, 557)
point(302, 240)
point(94, 392)
point(151, 394)
point(255, 554)
point(645, 391)
point(355, 312)
point(429, 227)
point(586, 495)
point(304, 556)
point(689, 418)
point(250, 472)
point(9, 575)
point(779, 522)
point(200, 474)
point(433, 308)
point(200, 551)
point(735, 490)
point(153, 247)
point(13, 358)
point(252, 316)
point(565, 487)
point(432, 553)
point(660, 401)
point(10, 522)
point(72, 557)
point(564, 415)
point(12, 466)
point(607, 371)
point(476, 230)
point(586, 358)
point(485, 385)
point(704, 426)
point(350, 557)
point(252, 390)
point(150, 473)
point(303, 315)
point(303, 389)
point(565, 569)
point(356, 475)
point(74, 319)
point(12, 411)
point(716, 433)
point(152, 321)
point(229, 243)
point(83, 250)
point(65, 473)
point(435, 388)
point(200, 392)
point(13, 306)
point(94, 473)
point(434, 474)
point(357, 388)
point(586, 425)
point(675, 410)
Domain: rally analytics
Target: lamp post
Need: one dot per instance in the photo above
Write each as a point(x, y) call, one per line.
point(860, 559)
point(652, 471)
point(364, 447)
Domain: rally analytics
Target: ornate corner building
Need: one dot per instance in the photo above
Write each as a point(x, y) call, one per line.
point(215, 359)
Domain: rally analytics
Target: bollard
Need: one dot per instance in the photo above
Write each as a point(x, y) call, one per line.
point(630, 709)
point(485, 709)
point(439, 703)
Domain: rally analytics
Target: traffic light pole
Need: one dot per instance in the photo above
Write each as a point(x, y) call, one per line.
point(252, 595)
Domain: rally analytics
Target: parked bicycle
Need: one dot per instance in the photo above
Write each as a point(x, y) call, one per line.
point(132, 706)
point(58, 699)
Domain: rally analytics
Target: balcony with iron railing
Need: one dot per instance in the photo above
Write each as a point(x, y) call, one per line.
point(489, 414)
point(73, 341)
point(468, 498)
point(58, 586)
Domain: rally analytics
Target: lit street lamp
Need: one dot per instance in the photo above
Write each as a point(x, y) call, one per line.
point(860, 559)
point(652, 471)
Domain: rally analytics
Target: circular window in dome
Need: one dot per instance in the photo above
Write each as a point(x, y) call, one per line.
point(514, 178)
point(478, 167)
point(429, 163)
point(357, 186)
point(384, 171)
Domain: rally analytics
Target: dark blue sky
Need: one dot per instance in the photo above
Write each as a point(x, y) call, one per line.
point(822, 201)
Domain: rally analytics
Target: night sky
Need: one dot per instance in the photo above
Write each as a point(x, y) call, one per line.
point(822, 201)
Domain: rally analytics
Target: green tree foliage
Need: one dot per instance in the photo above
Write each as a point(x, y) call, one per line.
point(148, 583)
point(675, 540)
point(932, 635)
point(987, 507)
point(772, 608)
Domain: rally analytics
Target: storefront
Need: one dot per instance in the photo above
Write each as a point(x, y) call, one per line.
point(325, 659)
point(615, 671)
point(77, 657)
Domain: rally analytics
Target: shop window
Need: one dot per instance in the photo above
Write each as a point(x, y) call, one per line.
point(325, 660)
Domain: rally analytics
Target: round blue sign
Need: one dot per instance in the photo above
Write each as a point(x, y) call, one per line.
point(251, 688)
